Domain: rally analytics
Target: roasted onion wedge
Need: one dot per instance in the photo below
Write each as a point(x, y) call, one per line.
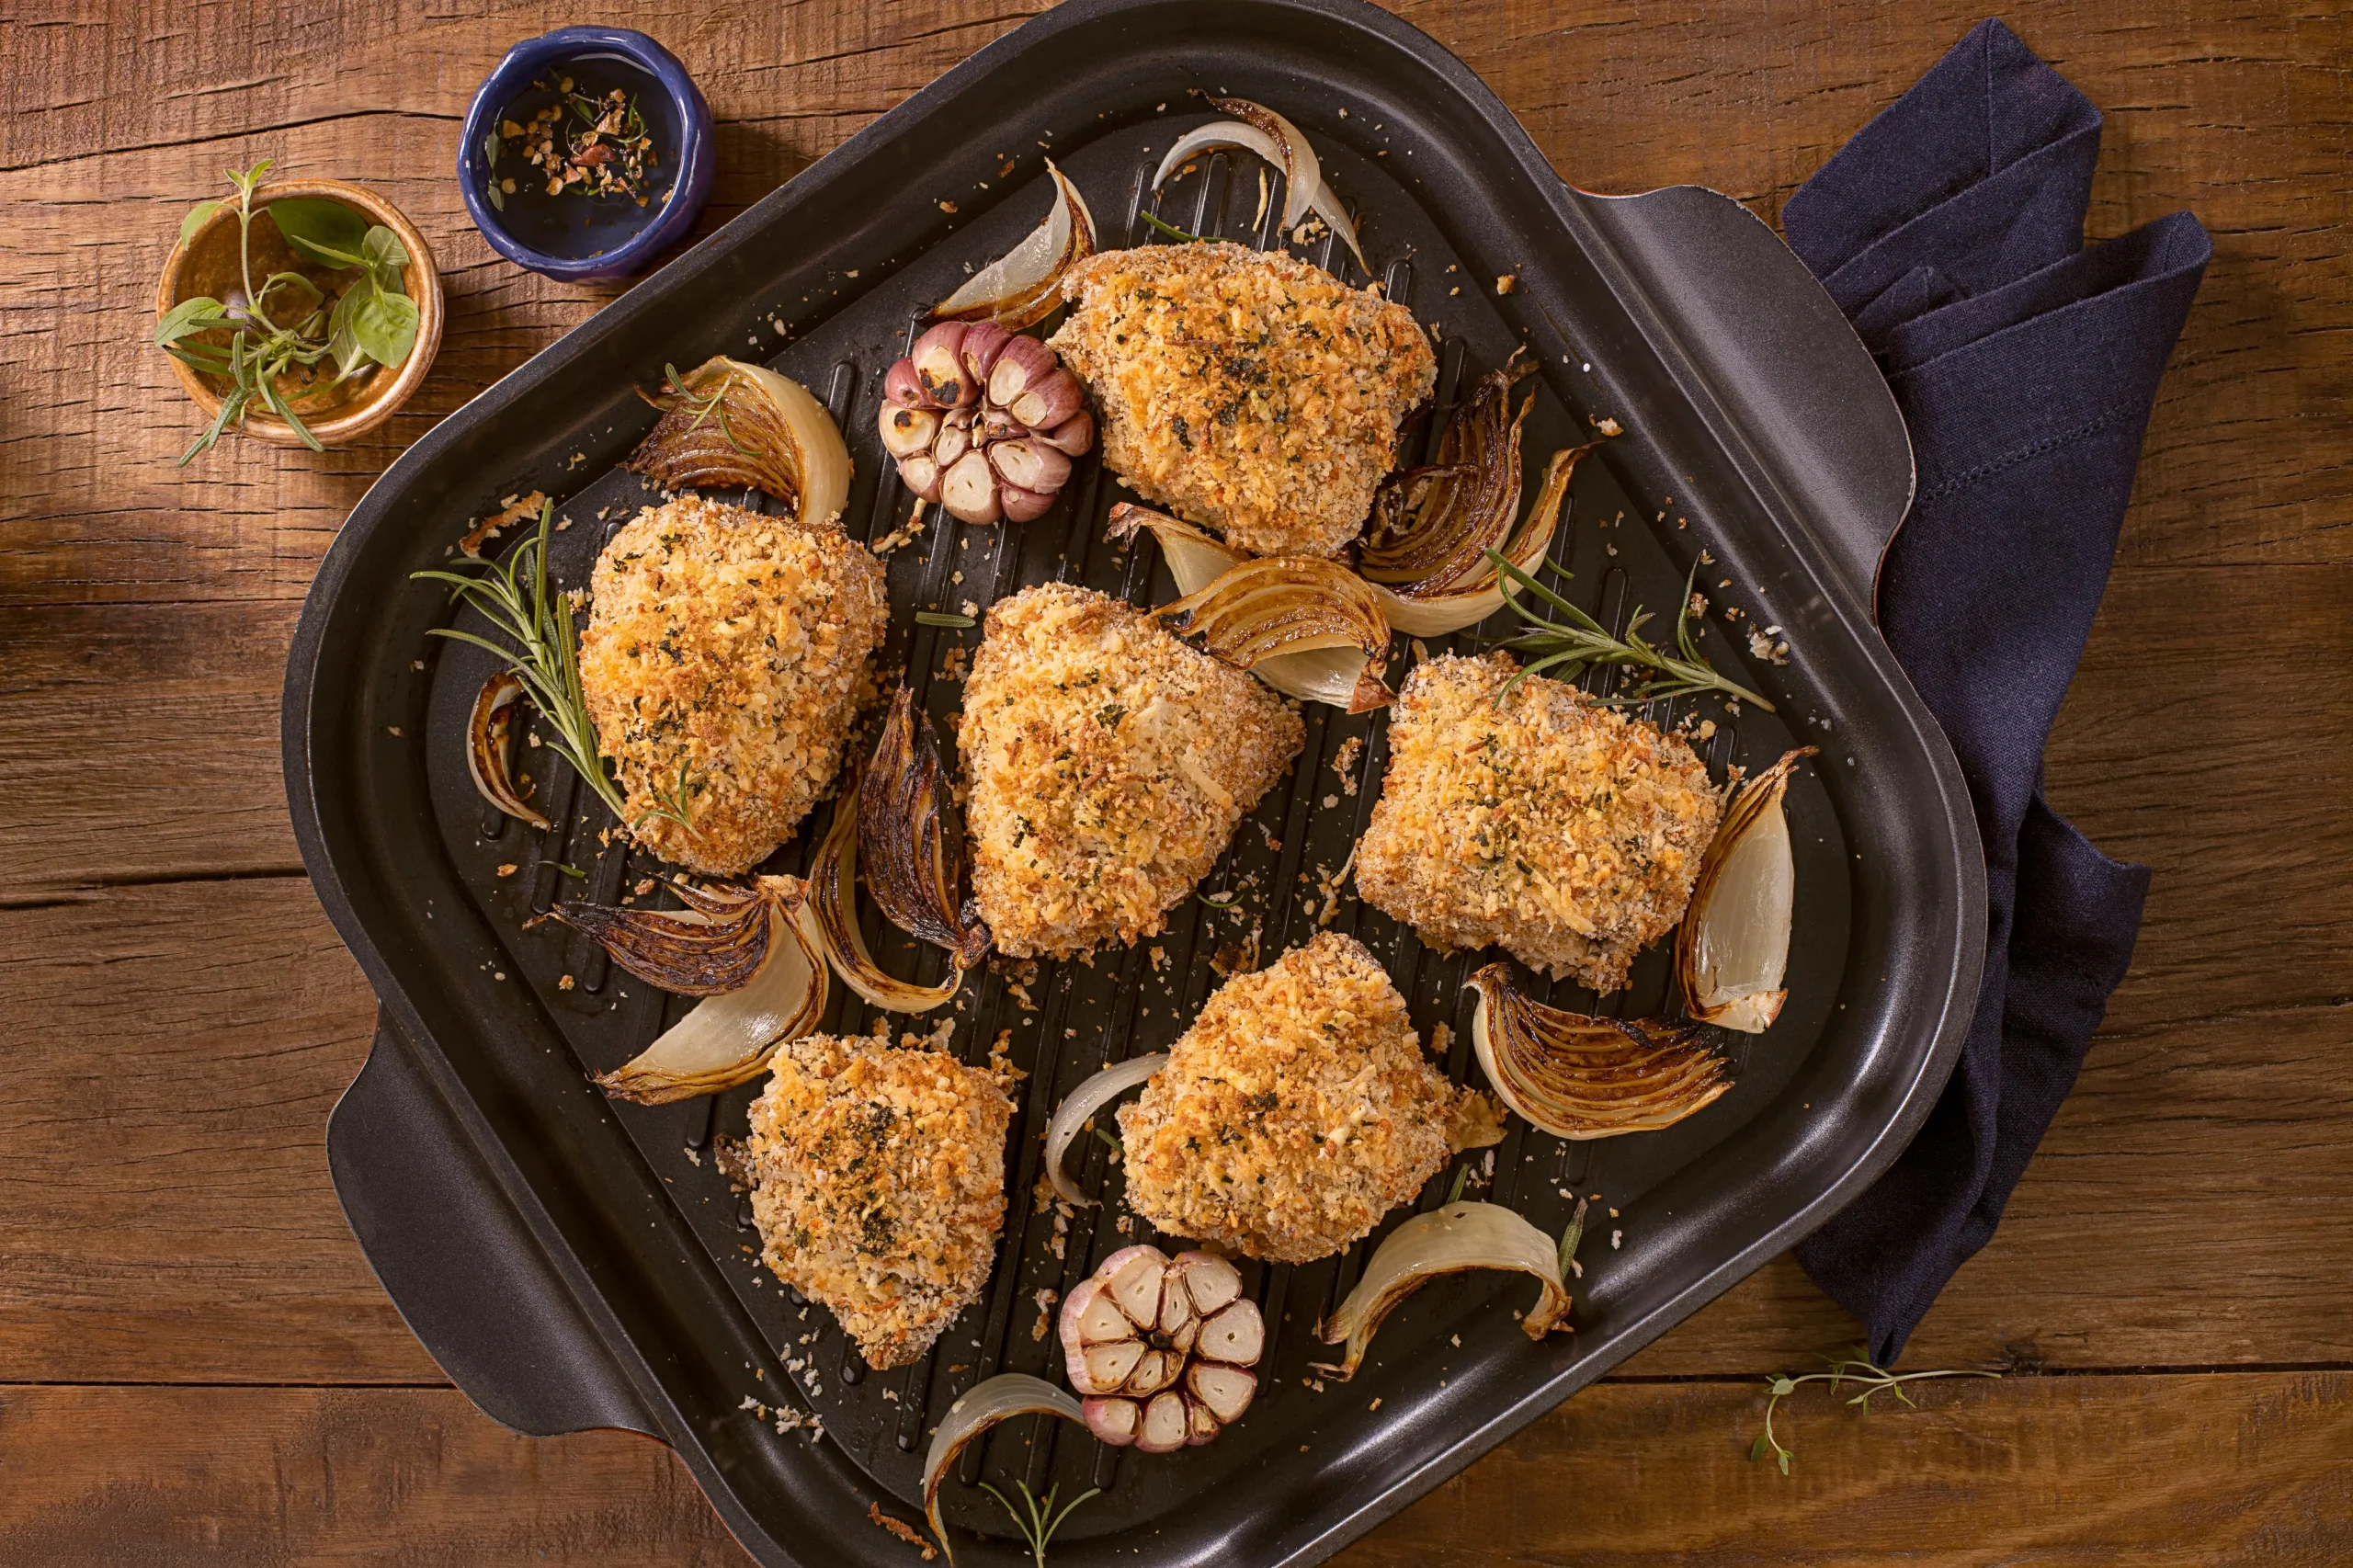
point(1432, 527)
point(717, 944)
point(1023, 287)
point(984, 1405)
point(1308, 628)
point(1196, 558)
point(912, 840)
point(727, 1040)
point(1582, 1077)
point(830, 922)
point(1080, 1106)
point(1262, 130)
point(489, 747)
point(1446, 1241)
point(1428, 608)
point(727, 424)
point(1733, 946)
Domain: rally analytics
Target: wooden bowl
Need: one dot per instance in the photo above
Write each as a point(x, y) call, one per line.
point(206, 263)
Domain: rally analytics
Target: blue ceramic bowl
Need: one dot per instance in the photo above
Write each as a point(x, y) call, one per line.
point(573, 236)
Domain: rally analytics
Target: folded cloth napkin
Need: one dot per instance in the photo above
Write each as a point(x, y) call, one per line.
point(1950, 232)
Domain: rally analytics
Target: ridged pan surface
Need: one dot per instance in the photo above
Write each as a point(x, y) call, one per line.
point(524, 1010)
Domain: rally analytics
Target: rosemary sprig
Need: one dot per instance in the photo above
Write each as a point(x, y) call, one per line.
point(1855, 1366)
point(545, 657)
point(1569, 1240)
point(1582, 642)
point(1171, 230)
point(1040, 1523)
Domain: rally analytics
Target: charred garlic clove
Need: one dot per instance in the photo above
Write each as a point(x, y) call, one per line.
point(985, 458)
point(1163, 1348)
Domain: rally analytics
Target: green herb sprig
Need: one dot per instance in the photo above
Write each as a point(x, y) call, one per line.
point(708, 405)
point(1171, 230)
point(545, 657)
point(1569, 1240)
point(1581, 641)
point(371, 321)
point(1856, 1366)
point(1036, 1519)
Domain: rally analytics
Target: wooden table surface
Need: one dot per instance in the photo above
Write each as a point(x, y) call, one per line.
point(196, 1366)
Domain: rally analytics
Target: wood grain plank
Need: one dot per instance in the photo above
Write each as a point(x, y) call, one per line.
point(2069, 1472)
point(165, 1207)
point(2156, 1471)
point(139, 743)
point(2233, 110)
point(281, 1478)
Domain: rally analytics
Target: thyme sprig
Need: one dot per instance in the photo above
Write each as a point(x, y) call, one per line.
point(517, 600)
point(1581, 641)
point(1856, 1366)
point(1041, 1522)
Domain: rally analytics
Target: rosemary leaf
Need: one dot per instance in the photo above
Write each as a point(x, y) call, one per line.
point(545, 656)
point(1576, 642)
point(1171, 230)
point(941, 618)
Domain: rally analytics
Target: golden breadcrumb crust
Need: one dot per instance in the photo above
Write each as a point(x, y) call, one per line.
point(880, 1185)
point(1296, 1111)
point(735, 646)
point(1563, 831)
point(1246, 389)
point(1108, 764)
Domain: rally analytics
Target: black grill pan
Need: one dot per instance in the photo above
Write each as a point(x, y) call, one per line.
point(574, 1263)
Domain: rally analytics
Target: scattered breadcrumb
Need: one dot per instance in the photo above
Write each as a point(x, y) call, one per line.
point(1506, 282)
point(1344, 763)
point(512, 510)
point(898, 1527)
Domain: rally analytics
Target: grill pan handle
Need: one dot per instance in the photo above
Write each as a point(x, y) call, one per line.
point(467, 1278)
point(1761, 339)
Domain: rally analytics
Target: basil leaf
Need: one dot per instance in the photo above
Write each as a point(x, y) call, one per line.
point(189, 318)
point(196, 218)
point(327, 230)
point(385, 257)
point(385, 325)
point(343, 342)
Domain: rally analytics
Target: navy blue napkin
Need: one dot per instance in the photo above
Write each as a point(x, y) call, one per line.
point(1950, 232)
